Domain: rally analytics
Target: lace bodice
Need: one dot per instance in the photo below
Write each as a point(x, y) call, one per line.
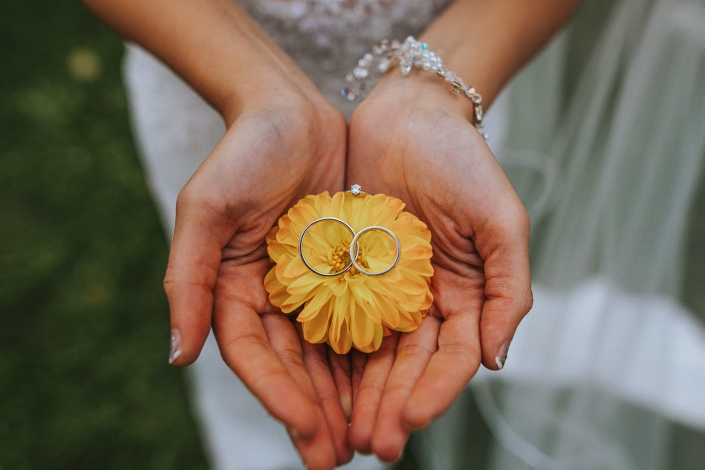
point(326, 37)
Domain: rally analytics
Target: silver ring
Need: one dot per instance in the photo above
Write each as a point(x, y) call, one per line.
point(356, 190)
point(356, 243)
point(301, 247)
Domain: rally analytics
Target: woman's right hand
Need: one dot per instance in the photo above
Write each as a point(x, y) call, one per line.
point(281, 147)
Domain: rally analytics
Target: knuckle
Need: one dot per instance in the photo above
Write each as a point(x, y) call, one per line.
point(465, 353)
point(199, 192)
point(168, 282)
point(290, 357)
point(185, 197)
point(520, 219)
point(397, 389)
point(372, 388)
point(528, 302)
point(517, 220)
point(413, 350)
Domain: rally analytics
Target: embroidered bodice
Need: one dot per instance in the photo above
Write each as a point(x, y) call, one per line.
point(327, 37)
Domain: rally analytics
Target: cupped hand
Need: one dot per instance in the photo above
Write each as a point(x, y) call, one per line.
point(412, 139)
point(280, 147)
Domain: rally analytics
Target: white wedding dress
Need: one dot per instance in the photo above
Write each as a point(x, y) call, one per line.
point(603, 136)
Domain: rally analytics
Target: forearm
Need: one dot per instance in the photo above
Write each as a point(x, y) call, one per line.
point(213, 44)
point(486, 42)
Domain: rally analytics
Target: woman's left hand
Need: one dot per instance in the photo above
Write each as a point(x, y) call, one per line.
point(412, 139)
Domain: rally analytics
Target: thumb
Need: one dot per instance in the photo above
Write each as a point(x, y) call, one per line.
point(504, 247)
point(191, 274)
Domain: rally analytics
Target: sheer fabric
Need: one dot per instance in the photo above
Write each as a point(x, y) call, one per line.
point(605, 143)
point(603, 136)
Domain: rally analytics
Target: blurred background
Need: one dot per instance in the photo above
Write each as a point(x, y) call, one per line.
point(84, 328)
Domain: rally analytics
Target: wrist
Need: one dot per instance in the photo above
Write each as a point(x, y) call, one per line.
point(414, 56)
point(422, 90)
point(266, 86)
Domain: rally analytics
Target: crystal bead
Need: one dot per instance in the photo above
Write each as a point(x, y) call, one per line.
point(426, 65)
point(363, 62)
point(383, 66)
point(377, 50)
point(424, 46)
point(405, 68)
point(360, 72)
point(349, 94)
point(396, 44)
point(349, 77)
point(368, 57)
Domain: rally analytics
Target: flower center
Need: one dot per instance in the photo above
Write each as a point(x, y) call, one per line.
point(341, 258)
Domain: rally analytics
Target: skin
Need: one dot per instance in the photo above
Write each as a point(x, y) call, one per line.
point(411, 138)
point(284, 140)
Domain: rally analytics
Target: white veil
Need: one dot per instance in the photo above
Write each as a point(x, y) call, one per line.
point(605, 143)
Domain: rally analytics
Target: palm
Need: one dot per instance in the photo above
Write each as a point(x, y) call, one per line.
point(439, 165)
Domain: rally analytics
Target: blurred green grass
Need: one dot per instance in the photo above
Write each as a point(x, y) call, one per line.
point(84, 329)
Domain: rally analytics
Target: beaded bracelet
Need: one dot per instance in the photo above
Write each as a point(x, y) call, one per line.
point(410, 53)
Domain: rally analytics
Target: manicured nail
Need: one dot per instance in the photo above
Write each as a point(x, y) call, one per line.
point(175, 348)
point(501, 358)
point(346, 403)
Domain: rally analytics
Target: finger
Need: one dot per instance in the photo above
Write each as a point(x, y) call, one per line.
point(341, 371)
point(504, 246)
point(325, 392)
point(369, 394)
point(412, 356)
point(358, 361)
point(320, 451)
point(191, 274)
point(450, 369)
point(245, 348)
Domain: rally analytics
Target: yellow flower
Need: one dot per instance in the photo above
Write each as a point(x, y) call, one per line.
point(352, 309)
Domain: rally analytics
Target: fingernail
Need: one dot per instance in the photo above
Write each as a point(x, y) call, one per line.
point(175, 348)
point(501, 358)
point(401, 455)
point(346, 403)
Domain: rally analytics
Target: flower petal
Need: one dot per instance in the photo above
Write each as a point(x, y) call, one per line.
point(316, 329)
point(315, 305)
point(363, 328)
point(351, 309)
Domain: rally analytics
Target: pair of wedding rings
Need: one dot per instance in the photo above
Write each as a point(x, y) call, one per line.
point(354, 248)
